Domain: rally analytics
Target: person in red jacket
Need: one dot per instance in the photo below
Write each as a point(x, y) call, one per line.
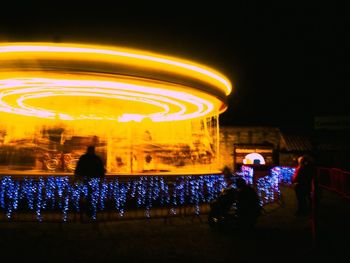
point(302, 182)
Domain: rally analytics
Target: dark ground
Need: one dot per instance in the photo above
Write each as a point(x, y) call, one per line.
point(279, 237)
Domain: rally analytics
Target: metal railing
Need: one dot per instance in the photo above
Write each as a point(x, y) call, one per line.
point(335, 179)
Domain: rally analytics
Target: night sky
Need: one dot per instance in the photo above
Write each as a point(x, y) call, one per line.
point(288, 63)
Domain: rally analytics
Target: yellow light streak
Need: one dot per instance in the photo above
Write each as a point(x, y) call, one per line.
point(28, 89)
point(173, 105)
point(131, 57)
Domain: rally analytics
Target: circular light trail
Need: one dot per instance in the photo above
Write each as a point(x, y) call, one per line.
point(173, 105)
point(76, 82)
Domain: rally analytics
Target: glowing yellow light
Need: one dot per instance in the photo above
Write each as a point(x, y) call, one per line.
point(56, 98)
point(18, 90)
point(173, 105)
point(126, 56)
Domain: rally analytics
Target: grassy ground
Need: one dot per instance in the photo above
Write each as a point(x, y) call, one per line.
point(279, 237)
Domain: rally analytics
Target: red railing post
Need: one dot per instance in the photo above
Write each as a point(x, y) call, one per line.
point(346, 184)
point(315, 194)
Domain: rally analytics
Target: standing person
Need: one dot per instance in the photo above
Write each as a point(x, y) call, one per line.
point(89, 166)
point(302, 181)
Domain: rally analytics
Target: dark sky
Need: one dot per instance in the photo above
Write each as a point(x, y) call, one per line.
point(288, 63)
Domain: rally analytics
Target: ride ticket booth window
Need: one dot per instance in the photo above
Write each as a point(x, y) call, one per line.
point(252, 154)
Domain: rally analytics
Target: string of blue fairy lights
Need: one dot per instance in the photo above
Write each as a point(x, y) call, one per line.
point(65, 195)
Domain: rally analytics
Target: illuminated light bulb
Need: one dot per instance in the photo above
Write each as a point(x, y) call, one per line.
point(250, 158)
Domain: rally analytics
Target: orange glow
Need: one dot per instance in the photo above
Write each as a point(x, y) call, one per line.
point(169, 103)
point(124, 56)
point(145, 111)
point(174, 102)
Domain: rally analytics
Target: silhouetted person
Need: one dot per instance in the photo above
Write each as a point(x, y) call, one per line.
point(90, 165)
point(247, 204)
point(302, 180)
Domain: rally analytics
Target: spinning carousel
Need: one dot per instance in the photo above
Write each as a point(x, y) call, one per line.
point(144, 112)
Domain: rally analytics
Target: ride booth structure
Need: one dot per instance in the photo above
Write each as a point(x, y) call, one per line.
point(256, 163)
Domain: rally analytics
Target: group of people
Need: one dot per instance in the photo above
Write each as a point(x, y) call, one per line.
point(240, 196)
point(246, 201)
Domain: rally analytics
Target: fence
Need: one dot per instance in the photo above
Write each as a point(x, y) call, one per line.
point(59, 198)
point(335, 180)
point(145, 196)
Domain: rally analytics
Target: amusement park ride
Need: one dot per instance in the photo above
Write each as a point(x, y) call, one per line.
point(144, 112)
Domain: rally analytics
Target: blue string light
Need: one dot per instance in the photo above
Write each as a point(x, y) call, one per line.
point(147, 192)
point(247, 174)
point(174, 199)
point(28, 192)
point(284, 174)
point(39, 199)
